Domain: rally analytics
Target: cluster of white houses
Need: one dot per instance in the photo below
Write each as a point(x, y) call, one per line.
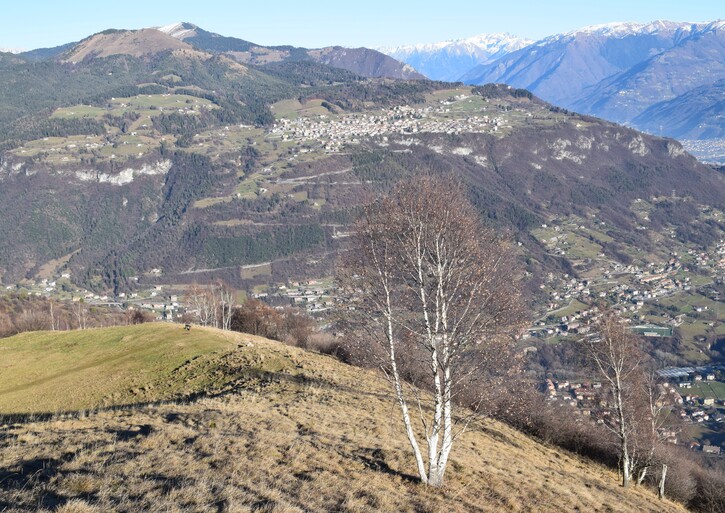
point(626, 288)
point(590, 400)
point(333, 132)
point(310, 295)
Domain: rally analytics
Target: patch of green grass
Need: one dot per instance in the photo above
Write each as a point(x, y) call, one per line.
point(707, 432)
point(72, 370)
point(688, 302)
point(210, 202)
point(252, 271)
point(443, 94)
point(79, 111)
point(566, 239)
point(293, 109)
point(572, 308)
point(144, 104)
point(703, 389)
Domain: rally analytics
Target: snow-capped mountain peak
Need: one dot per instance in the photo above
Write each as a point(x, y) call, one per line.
point(180, 30)
point(484, 42)
point(448, 60)
point(624, 29)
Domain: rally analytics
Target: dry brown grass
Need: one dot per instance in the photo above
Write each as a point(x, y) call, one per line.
point(308, 435)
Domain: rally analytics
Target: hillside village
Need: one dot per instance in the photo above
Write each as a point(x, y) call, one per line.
point(697, 392)
point(630, 288)
point(567, 307)
point(334, 132)
point(697, 396)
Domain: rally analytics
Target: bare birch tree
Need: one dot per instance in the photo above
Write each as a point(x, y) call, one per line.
point(226, 305)
point(653, 409)
point(202, 306)
point(79, 310)
point(615, 355)
point(212, 305)
point(437, 292)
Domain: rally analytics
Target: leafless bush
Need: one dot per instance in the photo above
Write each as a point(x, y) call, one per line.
point(327, 343)
point(7, 327)
point(681, 484)
point(139, 317)
point(291, 326)
point(257, 318)
point(297, 327)
point(32, 320)
point(709, 496)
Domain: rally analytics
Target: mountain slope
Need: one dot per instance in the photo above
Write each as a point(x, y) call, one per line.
point(560, 67)
point(137, 187)
point(44, 54)
point(365, 62)
point(449, 60)
point(696, 60)
point(697, 114)
point(362, 61)
point(135, 43)
point(215, 197)
point(297, 432)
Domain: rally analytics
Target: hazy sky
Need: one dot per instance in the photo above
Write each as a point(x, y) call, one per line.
point(42, 23)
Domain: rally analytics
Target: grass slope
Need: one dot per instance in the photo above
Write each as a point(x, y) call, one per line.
point(298, 432)
point(73, 370)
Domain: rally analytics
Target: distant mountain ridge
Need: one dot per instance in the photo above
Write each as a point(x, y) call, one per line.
point(185, 36)
point(695, 60)
point(449, 60)
point(362, 61)
point(560, 67)
point(616, 71)
point(135, 43)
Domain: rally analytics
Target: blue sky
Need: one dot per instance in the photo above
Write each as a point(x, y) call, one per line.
point(41, 23)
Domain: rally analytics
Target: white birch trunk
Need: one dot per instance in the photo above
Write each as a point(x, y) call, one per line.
point(662, 481)
point(623, 438)
point(642, 475)
point(399, 392)
point(447, 442)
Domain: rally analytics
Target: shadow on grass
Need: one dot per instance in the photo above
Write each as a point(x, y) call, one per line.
point(374, 459)
point(31, 473)
point(124, 435)
point(246, 379)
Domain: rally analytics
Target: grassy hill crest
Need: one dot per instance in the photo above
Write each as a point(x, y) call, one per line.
point(298, 432)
